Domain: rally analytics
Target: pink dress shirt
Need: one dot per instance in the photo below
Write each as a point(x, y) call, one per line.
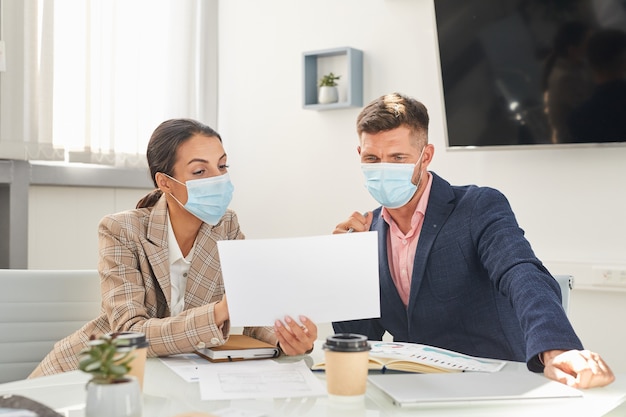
point(402, 247)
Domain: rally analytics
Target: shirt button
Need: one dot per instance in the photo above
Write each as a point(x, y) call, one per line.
point(201, 345)
point(404, 241)
point(185, 275)
point(215, 341)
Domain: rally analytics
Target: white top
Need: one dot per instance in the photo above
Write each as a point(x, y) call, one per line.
point(179, 268)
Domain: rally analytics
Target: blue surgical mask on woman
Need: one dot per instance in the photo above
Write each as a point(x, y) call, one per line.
point(389, 183)
point(207, 198)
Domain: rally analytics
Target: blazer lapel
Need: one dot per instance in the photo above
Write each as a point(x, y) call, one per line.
point(157, 249)
point(205, 278)
point(387, 286)
point(198, 289)
point(440, 205)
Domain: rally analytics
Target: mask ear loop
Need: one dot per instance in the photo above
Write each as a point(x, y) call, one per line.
point(175, 199)
point(419, 161)
point(174, 179)
point(172, 195)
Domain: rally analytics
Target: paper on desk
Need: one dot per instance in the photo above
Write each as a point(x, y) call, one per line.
point(326, 278)
point(258, 379)
point(185, 365)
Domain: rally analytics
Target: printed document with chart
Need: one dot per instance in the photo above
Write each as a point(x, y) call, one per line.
point(326, 278)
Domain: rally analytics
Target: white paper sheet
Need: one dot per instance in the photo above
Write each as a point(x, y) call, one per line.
point(185, 365)
point(258, 379)
point(326, 278)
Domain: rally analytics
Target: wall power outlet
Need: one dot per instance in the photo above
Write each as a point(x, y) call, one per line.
point(610, 276)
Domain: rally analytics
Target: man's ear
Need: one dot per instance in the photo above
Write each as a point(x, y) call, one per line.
point(358, 149)
point(429, 152)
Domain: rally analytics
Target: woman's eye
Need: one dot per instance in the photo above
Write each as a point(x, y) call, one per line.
point(223, 166)
point(199, 172)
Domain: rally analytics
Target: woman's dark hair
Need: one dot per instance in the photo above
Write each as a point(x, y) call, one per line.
point(569, 34)
point(163, 147)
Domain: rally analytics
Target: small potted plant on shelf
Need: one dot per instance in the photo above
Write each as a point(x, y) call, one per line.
point(328, 89)
point(110, 391)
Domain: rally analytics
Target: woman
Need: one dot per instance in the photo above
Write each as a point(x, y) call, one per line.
point(159, 269)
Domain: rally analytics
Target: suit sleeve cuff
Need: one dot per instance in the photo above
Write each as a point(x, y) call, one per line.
point(535, 364)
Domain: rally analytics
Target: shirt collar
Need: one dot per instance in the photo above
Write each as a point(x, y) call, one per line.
point(420, 210)
point(175, 254)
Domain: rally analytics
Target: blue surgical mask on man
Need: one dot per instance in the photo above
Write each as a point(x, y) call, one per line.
point(389, 183)
point(207, 198)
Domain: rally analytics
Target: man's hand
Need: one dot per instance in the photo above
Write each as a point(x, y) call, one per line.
point(577, 368)
point(356, 223)
point(293, 338)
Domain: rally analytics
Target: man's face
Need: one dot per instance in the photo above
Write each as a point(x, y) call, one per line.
point(394, 146)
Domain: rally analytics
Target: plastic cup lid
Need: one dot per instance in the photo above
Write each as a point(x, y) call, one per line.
point(347, 342)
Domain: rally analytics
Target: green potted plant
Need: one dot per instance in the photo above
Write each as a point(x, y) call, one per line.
point(110, 391)
point(328, 89)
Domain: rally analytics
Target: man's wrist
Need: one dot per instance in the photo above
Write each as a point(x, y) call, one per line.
point(548, 355)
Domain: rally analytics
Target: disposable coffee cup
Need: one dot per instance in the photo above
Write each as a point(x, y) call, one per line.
point(346, 357)
point(139, 345)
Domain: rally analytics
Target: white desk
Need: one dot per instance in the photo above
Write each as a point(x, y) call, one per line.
point(166, 394)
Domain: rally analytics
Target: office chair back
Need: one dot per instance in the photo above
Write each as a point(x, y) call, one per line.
point(38, 308)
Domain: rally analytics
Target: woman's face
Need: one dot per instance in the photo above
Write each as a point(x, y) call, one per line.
point(198, 157)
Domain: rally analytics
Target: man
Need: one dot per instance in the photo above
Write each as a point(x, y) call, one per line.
point(455, 269)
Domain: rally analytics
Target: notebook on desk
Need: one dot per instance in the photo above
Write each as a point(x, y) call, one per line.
point(239, 347)
point(407, 390)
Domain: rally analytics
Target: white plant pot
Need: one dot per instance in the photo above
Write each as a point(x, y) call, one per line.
point(121, 399)
point(328, 95)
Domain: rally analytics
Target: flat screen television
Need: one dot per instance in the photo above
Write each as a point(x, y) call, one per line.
point(532, 72)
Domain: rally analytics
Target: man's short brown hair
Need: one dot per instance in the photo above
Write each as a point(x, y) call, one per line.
point(392, 111)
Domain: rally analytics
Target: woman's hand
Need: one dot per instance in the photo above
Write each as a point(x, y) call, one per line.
point(293, 338)
point(221, 312)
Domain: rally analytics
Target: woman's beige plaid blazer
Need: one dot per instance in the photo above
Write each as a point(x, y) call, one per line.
point(135, 285)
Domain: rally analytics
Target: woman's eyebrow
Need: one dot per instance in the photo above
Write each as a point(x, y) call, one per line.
point(204, 161)
point(197, 160)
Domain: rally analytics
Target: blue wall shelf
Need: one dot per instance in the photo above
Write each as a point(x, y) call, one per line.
point(347, 62)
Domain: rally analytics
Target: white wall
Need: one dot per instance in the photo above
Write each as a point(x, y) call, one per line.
point(63, 223)
point(296, 171)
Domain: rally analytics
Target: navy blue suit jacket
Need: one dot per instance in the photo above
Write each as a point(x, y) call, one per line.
point(477, 286)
